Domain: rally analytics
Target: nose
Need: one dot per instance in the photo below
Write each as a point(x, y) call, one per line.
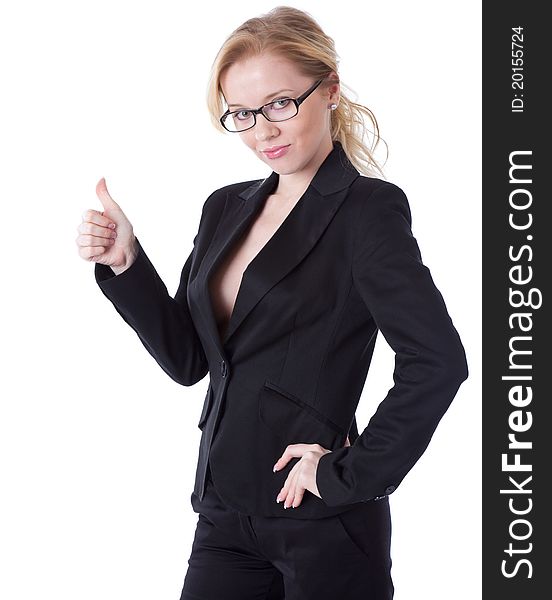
point(265, 129)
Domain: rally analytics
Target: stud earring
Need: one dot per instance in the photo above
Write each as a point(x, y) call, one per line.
point(333, 106)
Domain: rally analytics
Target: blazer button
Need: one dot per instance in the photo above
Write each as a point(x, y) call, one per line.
point(223, 368)
point(390, 489)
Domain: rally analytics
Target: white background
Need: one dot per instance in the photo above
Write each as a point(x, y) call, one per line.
point(98, 446)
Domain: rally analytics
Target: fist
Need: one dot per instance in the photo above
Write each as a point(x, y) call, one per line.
point(106, 237)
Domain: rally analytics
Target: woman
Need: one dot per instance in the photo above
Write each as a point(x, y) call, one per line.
point(280, 300)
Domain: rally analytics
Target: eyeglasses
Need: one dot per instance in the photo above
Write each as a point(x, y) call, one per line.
point(277, 110)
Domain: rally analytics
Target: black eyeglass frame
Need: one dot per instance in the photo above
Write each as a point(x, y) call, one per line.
point(259, 111)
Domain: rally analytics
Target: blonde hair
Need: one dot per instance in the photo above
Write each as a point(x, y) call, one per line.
point(295, 35)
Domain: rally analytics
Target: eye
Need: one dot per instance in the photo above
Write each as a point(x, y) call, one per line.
point(278, 104)
point(242, 115)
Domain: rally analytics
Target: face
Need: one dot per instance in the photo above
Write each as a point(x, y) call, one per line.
point(253, 82)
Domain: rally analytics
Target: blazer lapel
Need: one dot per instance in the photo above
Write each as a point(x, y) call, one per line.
point(237, 216)
point(293, 240)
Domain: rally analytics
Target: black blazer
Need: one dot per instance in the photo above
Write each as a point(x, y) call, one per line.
point(293, 362)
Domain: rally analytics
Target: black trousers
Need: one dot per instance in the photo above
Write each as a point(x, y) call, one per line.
point(242, 557)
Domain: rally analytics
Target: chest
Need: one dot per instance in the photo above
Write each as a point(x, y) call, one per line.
point(225, 281)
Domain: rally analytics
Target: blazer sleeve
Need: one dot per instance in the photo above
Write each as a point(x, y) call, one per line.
point(163, 323)
point(430, 361)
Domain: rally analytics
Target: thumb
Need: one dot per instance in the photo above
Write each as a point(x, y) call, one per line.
point(103, 195)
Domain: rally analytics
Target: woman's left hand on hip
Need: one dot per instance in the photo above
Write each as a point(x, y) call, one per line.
point(303, 475)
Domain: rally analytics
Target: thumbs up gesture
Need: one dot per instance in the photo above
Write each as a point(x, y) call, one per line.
point(107, 237)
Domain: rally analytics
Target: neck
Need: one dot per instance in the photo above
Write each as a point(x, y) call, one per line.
point(293, 185)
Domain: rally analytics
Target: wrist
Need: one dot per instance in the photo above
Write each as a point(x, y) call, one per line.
point(130, 257)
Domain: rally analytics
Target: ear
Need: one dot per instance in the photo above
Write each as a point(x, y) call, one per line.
point(333, 89)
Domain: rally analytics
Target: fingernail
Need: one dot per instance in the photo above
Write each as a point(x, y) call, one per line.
point(112, 225)
point(274, 469)
point(278, 499)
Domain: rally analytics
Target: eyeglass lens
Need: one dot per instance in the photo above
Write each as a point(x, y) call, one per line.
point(279, 110)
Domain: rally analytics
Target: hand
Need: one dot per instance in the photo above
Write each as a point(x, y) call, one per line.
point(303, 475)
point(107, 237)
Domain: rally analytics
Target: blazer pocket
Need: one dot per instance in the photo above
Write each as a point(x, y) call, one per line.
point(206, 407)
point(295, 421)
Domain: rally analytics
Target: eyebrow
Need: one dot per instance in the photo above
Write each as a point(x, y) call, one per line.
point(267, 97)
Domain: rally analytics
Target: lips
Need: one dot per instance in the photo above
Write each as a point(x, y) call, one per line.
point(273, 149)
point(276, 151)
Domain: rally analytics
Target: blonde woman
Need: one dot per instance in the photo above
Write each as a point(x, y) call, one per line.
point(280, 300)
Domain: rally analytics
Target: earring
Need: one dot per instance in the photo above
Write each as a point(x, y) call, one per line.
point(333, 106)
